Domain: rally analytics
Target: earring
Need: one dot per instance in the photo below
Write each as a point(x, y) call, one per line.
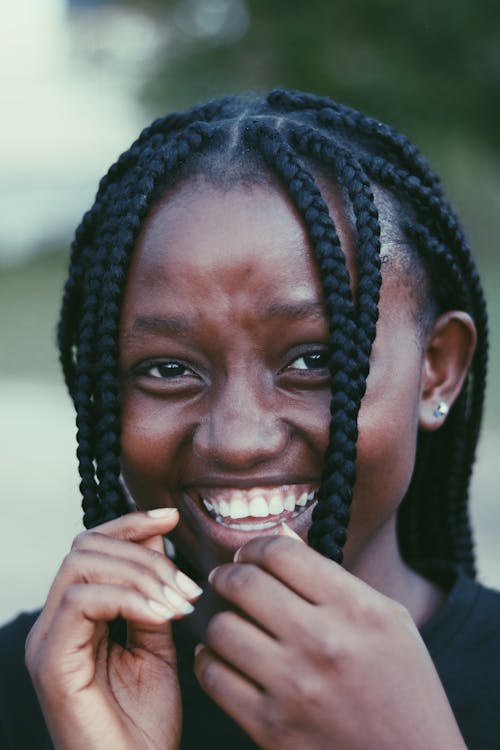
point(441, 410)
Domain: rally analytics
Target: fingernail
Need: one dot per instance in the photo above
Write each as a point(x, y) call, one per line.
point(186, 585)
point(287, 531)
point(162, 512)
point(236, 555)
point(177, 602)
point(198, 648)
point(211, 575)
point(159, 609)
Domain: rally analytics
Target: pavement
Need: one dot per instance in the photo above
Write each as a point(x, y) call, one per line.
point(40, 504)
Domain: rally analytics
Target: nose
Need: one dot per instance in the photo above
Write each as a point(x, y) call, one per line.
point(242, 428)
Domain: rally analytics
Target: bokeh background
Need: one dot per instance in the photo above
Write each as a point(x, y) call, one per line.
point(80, 78)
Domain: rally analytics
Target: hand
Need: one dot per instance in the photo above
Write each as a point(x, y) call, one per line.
point(312, 657)
point(95, 693)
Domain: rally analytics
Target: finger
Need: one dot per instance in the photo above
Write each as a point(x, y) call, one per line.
point(149, 552)
point(236, 695)
point(84, 566)
point(302, 569)
point(263, 598)
point(245, 648)
point(134, 527)
point(100, 559)
point(84, 607)
point(157, 639)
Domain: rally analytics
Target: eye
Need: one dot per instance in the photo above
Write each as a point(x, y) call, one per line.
point(165, 370)
point(315, 360)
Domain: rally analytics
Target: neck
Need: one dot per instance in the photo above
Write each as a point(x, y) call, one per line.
point(378, 562)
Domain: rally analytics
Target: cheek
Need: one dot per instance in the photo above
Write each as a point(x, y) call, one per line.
point(308, 420)
point(385, 459)
point(150, 442)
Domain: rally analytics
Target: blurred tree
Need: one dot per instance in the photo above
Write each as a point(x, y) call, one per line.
point(426, 64)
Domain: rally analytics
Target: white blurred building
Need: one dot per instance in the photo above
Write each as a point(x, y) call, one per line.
point(68, 77)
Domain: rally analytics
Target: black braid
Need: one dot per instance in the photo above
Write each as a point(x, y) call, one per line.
point(455, 445)
point(331, 514)
point(347, 172)
point(95, 387)
point(339, 116)
point(280, 135)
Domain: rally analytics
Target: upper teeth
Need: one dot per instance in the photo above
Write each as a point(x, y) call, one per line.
point(257, 502)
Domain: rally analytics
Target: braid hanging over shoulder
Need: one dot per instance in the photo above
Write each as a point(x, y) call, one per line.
point(293, 137)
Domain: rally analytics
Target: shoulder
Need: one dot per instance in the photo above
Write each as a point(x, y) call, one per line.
point(21, 721)
point(12, 639)
point(469, 619)
point(463, 639)
point(14, 633)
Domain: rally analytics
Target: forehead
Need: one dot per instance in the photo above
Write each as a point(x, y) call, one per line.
point(250, 231)
point(204, 248)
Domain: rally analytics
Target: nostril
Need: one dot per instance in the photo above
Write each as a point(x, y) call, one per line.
point(240, 443)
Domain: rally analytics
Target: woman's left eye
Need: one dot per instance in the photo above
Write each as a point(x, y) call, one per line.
point(311, 361)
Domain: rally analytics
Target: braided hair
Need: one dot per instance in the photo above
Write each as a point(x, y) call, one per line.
point(289, 136)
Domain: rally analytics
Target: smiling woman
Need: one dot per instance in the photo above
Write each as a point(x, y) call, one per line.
point(273, 333)
point(231, 391)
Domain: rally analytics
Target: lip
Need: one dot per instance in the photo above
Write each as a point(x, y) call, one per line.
point(248, 483)
point(223, 536)
point(207, 543)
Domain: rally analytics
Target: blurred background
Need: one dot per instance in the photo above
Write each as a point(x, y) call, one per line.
point(80, 78)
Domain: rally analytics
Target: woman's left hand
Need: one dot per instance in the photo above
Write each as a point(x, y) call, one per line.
point(310, 656)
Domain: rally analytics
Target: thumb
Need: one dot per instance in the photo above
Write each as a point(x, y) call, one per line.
point(285, 530)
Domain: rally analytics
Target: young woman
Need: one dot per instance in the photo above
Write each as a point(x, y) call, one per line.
point(275, 339)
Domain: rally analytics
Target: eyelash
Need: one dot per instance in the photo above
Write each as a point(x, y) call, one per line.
point(174, 370)
point(319, 354)
point(171, 364)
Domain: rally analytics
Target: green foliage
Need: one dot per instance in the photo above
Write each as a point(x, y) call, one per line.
point(431, 63)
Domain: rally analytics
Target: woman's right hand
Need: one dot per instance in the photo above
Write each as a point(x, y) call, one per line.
point(95, 693)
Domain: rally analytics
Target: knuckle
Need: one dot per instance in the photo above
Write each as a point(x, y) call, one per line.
point(34, 653)
point(70, 563)
point(382, 614)
point(307, 691)
point(86, 540)
point(399, 617)
point(327, 648)
point(275, 724)
point(238, 577)
point(218, 627)
point(273, 549)
point(71, 597)
point(399, 612)
point(209, 675)
point(30, 651)
point(78, 540)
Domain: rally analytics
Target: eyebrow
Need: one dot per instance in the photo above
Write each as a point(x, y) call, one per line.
point(180, 325)
point(293, 311)
point(173, 325)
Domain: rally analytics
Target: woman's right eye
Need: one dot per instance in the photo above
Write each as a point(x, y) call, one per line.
point(165, 370)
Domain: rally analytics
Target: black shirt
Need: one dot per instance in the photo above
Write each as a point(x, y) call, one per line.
point(463, 639)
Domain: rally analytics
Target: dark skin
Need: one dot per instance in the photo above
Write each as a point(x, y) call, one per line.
point(225, 394)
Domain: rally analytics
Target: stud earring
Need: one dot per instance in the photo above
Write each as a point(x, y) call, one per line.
point(441, 410)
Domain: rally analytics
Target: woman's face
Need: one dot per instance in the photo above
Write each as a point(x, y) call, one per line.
point(225, 395)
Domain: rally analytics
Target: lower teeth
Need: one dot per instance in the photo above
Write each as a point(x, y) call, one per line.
point(254, 526)
point(257, 524)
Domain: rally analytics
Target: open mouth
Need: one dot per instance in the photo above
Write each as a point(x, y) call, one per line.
point(258, 508)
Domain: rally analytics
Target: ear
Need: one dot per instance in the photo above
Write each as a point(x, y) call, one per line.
point(448, 355)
